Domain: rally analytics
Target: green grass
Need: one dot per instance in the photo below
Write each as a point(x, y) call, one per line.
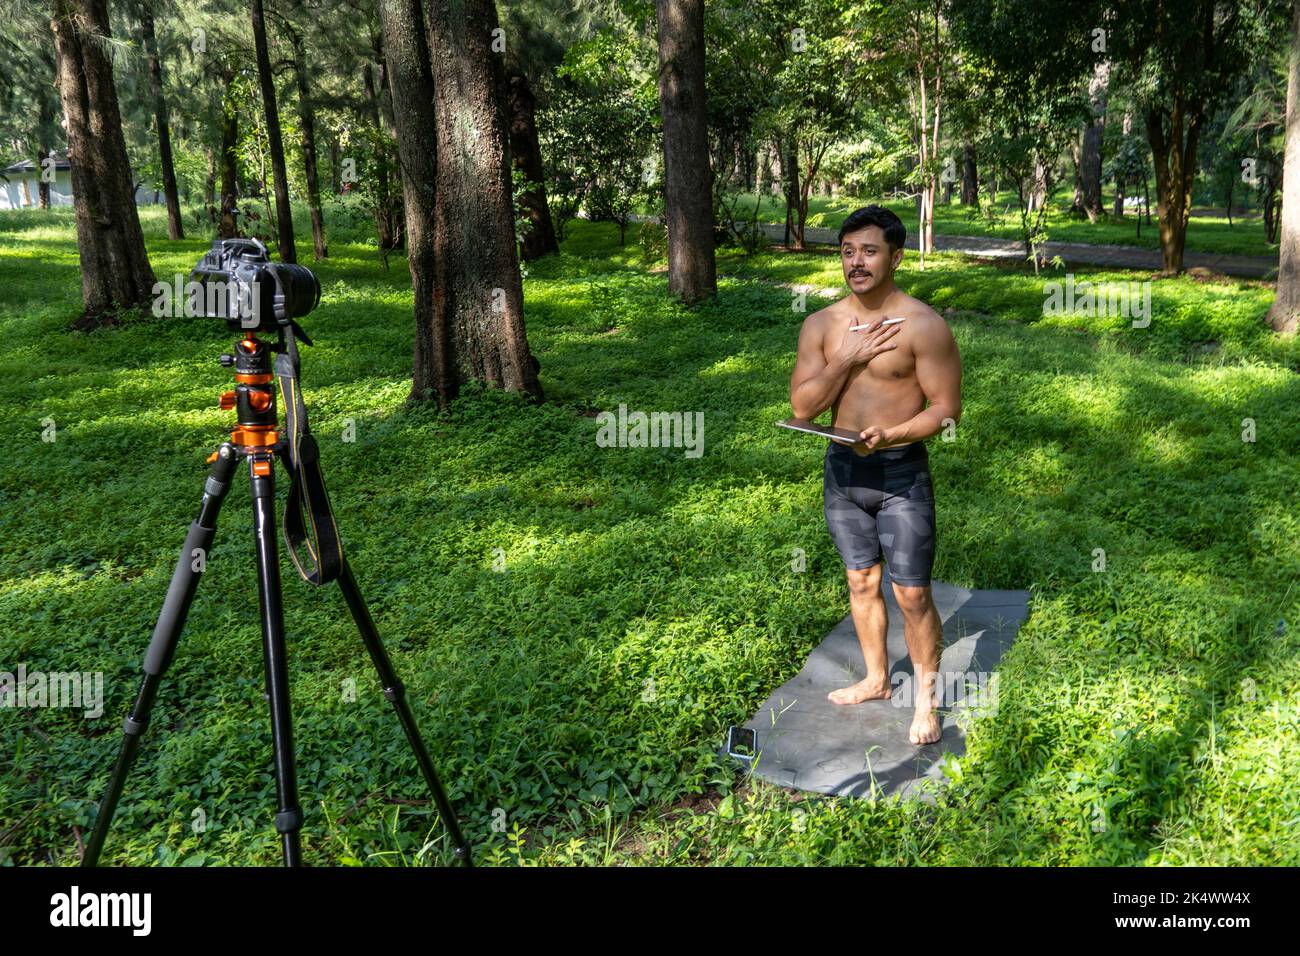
point(1156, 695)
point(1205, 233)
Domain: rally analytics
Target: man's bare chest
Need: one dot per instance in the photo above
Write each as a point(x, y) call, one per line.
point(892, 369)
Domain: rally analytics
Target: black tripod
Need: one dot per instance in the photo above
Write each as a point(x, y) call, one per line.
point(256, 439)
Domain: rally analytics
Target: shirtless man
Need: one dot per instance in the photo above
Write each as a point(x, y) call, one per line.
point(877, 492)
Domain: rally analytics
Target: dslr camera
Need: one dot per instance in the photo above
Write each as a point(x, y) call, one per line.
point(239, 283)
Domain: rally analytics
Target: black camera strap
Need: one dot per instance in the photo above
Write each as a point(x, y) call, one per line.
point(307, 495)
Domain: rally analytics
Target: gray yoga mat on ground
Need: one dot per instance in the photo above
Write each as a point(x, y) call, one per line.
point(806, 742)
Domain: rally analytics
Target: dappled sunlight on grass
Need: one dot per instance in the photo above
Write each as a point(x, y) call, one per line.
point(579, 624)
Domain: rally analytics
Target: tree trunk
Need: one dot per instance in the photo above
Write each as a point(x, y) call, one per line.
point(1038, 188)
point(1090, 171)
point(411, 83)
point(478, 292)
point(209, 187)
point(793, 229)
point(386, 226)
point(1119, 196)
point(1284, 316)
point(1090, 162)
point(45, 118)
point(1270, 208)
point(1174, 153)
point(688, 176)
point(1076, 161)
point(307, 118)
point(115, 270)
point(336, 186)
point(227, 227)
point(283, 211)
point(970, 183)
point(42, 187)
point(1232, 182)
point(526, 155)
point(175, 229)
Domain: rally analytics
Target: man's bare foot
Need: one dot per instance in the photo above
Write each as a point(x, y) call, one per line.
point(926, 728)
point(866, 689)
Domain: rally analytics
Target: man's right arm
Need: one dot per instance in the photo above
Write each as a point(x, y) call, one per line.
point(815, 383)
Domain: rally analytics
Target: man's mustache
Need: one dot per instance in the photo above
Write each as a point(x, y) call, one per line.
point(857, 273)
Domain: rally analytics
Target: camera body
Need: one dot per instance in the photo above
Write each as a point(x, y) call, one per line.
point(240, 283)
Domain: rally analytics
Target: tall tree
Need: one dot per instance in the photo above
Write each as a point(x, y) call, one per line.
point(1090, 159)
point(29, 98)
point(526, 155)
point(384, 199)
point(307, 119)
point(1284, 316)
point(1180, 58)
point(411, 82)
point(227, 227)
point(970, 180)
point(115, 270)
point(174, 228)
point(688, 177)
point(283, 211)
point(478, 291)
point(539, 32)
point(926, 46)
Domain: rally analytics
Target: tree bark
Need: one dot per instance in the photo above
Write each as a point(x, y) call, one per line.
point(688, 176)
point(1232, 180)
point(389, 234)
point(411, 83)
point(526, 155)
point(793, 226)
point(335, 185)
point(175, 229)
point(283, 211)
point(478, 292)
point(970, 183)
point(1090, 163)
point(115, 270)
point(307, 118)
point(1038, 186)
point(1076, 159)
point(1284, 315)
point(45, 117)
point(1270, 207)
point(1174, 153)
point(227, 227)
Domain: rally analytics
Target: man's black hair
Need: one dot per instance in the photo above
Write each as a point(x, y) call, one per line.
point(890, 224)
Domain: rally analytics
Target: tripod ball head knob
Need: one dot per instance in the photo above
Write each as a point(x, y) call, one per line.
point(227, 360)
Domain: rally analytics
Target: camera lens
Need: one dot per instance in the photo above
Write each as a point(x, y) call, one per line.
point(298, 289)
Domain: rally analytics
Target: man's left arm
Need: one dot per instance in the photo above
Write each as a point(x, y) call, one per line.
point(938, 372)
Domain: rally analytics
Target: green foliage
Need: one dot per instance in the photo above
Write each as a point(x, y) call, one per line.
point(1125, 733)
point(598, 132)
point(371, 179)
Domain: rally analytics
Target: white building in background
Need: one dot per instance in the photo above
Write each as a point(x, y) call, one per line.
point(20, 186)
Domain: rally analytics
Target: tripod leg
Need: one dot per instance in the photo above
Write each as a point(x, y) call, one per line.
point(396, 694)
point(171, 620)
point(288, 817)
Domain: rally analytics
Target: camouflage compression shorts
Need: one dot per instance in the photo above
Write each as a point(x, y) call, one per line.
point(881, 501)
